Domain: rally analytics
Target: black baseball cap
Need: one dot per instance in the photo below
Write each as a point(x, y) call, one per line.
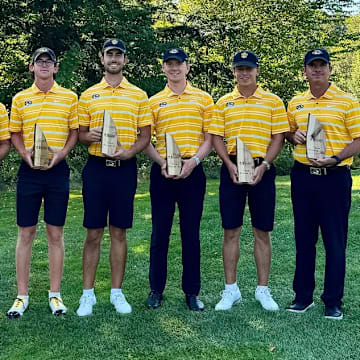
point(245, 58)
point(43, 50)
point(175, 53)
point(316, 54)
point(114, 44)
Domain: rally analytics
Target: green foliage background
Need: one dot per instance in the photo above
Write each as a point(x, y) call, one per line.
point(211, 31)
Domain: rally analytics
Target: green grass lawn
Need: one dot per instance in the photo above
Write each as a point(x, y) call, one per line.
point(173, 332)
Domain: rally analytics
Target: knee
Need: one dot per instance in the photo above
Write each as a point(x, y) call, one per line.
point(262, 238)
point(26, 235)
point(54, 235)
point(231, 236)
point(93, 237)
point(118, 235)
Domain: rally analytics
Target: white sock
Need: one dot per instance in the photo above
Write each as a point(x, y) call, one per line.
point(232, 287)
point(53, 294)
point(261, 287)
point(115, 291)
point(89, 292)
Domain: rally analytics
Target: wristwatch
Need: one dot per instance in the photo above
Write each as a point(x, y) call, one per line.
point(197, 160)
point(338, 160)
point(267, 164)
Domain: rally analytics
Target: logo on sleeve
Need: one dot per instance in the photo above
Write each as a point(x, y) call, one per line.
point(163, 104)
point(28, 102)
point(230, 104)
point(299, 107)
point(95, 96)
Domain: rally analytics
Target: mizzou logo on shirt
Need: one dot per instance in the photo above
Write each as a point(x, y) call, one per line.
point(230, 104)
point(95, 96)
point(163, 104)
point(28, 102)
point(299, 107)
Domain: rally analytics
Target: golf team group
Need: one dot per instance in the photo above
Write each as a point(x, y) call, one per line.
point(320, 188)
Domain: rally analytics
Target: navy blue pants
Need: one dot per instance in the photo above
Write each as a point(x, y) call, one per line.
point(189, 195)
point(34, 185)
point(320, 202)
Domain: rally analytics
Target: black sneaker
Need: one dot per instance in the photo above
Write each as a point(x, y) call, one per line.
point(299, 308)
point(154, 300)
point(333, 312)
point(194, 303)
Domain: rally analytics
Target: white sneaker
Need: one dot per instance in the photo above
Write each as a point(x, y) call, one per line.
point(263, 295)
point(57, 306)
point(19, 306)
point(228, 299)
point(86, 304)
point(120, 303)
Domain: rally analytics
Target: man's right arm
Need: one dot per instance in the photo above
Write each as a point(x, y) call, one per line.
point(18, 142)
point(87, 137)
point(155, 156)
point(218, 143)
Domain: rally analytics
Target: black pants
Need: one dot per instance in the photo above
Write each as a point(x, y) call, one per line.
point(189, 195)
point(320, 202)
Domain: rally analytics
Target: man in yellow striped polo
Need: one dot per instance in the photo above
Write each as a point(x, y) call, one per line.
point(184, 112)
point(258, 118)
point(54, 109)
point(109, 181)
point(321, 188)
point(4, 132)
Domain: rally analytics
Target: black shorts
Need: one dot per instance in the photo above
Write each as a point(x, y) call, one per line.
point(108, 190)
point(35, 185)
point(261, 199)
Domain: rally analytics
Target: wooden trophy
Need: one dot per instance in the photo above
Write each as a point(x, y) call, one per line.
point(109, 138)
point(41, 148)
point(173, 156)
point(315, 139)
point(244, 161)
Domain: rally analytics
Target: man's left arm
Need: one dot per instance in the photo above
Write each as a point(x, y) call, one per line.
point(350, 150)
point(189, 164)
point(205, 148)
point(273, 150)
point(4, 148)
point(352, 123)
point(140, 144)
point(73, 135)
point(71, 141)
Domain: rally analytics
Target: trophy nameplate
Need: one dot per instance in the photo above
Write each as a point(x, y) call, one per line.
point(41, 148)
point(315, 139)
point(245, 163)
point(109, 138)
point(173, 156)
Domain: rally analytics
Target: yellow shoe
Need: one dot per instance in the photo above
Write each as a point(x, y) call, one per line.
point(57, 306)
point(19, 306)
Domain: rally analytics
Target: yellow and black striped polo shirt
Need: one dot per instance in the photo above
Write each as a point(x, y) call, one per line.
point(253, 120)
point(55, 111)
point(128, 106)
point(338, 113)
point(185, 117)
point(4, 123)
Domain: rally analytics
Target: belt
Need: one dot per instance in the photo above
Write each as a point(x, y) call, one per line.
point(257, 161)
point(320, 171)
point(113, 163)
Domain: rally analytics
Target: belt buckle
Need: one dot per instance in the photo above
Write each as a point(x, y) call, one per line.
point(317, 171)
point(110, 163)
point(257, 162)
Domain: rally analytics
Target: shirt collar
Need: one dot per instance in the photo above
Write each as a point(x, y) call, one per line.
point(329, 93)
point(54, 88)
point(257, 94)
point(187, 90)
point(124, 83)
